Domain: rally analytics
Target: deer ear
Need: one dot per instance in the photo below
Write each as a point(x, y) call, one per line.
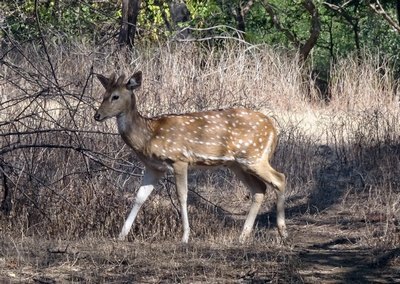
point(120, 80)
point(135, 81)
point(103, 80)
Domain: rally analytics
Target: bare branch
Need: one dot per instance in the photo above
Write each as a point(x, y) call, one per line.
point(278, 25)
point(315, 27)
point(247, 7)
point(377, 7)
point(341, 11)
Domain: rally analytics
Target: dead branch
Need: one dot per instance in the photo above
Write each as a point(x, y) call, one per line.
point(377, 7)
point(315, 27)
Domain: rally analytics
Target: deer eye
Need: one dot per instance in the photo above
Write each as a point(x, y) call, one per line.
point(114, 97)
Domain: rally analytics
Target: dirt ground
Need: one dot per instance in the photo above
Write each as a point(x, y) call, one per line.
point(329, 252)
point(324, 247)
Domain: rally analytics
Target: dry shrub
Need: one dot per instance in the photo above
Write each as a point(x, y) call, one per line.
point(363, 84)
point(66, 176)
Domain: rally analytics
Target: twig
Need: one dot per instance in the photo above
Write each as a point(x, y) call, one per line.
point(44, 43)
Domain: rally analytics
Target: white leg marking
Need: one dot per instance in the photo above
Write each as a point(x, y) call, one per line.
point(149, 181)
point(251, 216)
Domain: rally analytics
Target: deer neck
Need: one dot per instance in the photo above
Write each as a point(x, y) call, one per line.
point(134, 129)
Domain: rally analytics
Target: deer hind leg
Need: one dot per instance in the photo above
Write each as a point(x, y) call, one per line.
point(257, 188)
point(150, 179)
point(278, 181)
point(180, 170)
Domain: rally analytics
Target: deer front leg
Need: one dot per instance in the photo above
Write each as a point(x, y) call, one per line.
point(150, 179)
point(180, 170)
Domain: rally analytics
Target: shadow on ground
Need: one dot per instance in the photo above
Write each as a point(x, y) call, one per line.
point(339, 261)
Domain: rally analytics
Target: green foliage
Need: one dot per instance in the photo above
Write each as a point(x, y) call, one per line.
point(207, 13)
point(92, 19)
point(151, 21)
point(70, 18)
point(378, 37)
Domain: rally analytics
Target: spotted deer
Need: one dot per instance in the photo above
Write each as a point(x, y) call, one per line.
point(240, 139)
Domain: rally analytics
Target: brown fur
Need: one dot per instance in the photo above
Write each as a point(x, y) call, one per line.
point(239, 138)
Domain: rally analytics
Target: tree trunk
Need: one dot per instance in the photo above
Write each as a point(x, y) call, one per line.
point(315, 29)
point(130, 12)
point(241, 26)
point(180, 14)
point(241, 12)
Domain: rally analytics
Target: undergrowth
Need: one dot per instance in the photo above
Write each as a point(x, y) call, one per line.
point(65, 176)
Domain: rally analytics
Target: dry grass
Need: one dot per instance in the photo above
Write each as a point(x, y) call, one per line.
point(69, 181)
point(102, 261)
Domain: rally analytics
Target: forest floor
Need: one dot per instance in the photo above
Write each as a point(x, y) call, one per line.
point(324, 247)
point(335, 229)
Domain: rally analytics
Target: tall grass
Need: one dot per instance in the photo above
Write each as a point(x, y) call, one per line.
point(66, 176)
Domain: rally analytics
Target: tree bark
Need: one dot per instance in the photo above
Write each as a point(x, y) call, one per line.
point(315, 29)
point(241, 13)
point(180, 14)
point(130, 12)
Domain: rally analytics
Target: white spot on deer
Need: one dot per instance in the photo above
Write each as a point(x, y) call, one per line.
point(254, 158)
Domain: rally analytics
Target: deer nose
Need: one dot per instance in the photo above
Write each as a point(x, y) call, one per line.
point(97, 117)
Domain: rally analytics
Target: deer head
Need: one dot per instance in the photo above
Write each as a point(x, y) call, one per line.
point(118, 97)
